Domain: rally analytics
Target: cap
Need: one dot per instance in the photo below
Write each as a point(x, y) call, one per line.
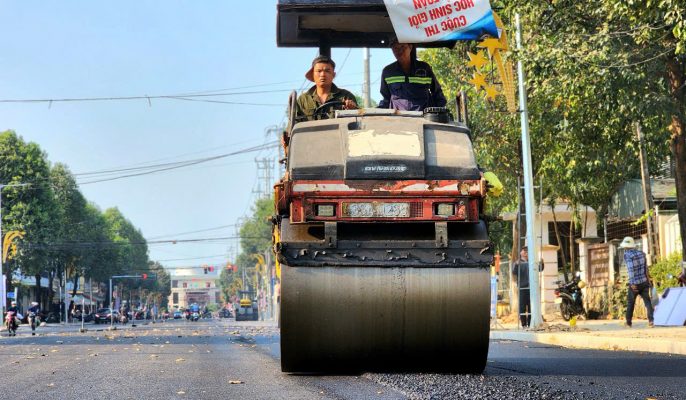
point(627, 243)
point(319, 59)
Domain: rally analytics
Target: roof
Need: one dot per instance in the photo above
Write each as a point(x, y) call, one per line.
point(336, 23)
point(627, 202)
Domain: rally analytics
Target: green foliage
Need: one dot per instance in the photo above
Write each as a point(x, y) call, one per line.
point(27, 208)
point(256, 233)
point(63, 231)
point(130, 251)
point(159, 287)
point(230, 283)
point(593, 69)
point(664, 272)
point(619, 299)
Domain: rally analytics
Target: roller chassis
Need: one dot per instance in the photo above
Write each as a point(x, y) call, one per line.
point(406, 293)
point(293, 250)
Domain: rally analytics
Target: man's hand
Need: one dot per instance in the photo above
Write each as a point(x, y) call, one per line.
point(349, 104)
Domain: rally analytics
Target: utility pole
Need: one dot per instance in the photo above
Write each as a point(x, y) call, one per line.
point(653, 251)
point(3, 282)
point(536, 317)
point(365, 89)
point(264, 176)
point(276, 131)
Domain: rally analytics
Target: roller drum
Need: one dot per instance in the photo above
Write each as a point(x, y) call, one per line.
point(355, 319)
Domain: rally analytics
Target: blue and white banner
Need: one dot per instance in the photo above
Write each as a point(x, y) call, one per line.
point(421, 21)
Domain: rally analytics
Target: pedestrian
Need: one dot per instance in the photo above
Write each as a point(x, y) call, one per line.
point(324, 91)
point(409, 84)
point(520, 272)
point(639, 280)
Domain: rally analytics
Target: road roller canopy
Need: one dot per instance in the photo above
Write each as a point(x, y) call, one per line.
point(381, 147)
point(336, 23)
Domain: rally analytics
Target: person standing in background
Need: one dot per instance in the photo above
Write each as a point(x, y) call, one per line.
point(520, 272)
point(639, 280)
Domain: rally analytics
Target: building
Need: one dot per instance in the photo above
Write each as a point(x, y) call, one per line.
point(194, 285)
point(551, 252)
point(627, 206)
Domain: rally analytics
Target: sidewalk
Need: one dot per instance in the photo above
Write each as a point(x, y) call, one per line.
point(70, 327)
point(600, 335)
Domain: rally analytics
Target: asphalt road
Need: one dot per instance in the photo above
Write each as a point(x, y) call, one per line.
point(223, 359)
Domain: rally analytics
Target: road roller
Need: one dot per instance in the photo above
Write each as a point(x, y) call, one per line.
point(379, 229)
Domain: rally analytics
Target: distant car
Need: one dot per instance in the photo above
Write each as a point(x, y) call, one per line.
point(178, 314)
point(87, 317)
point(104, 315)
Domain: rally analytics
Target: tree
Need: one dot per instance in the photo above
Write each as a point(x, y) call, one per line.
point(129, 248)
point(158, 284)
point(27, 208)
point(594, 68)
point(68, 248)
point(255, 236)
point(230, 283)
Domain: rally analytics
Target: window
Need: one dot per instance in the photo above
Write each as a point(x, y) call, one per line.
point(175, 298)
point(175, 283)
point(185, 285)
point(208, 284)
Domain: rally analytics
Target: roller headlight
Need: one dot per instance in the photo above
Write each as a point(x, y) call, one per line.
point(326, 210)
point(445, 209)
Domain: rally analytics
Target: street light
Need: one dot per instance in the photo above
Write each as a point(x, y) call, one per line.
point(3, 287)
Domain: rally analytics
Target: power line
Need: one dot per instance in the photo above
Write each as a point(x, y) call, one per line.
point(143, 97)
point(189, 232)
point(85, 244)
point(180, 155)
point(181, 164)
point(182, 96)
point(193, 258)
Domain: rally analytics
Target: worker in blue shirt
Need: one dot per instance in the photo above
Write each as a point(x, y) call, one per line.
point(639, 281)
point(409, 84)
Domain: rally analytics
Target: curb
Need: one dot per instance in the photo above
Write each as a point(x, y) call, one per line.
point(651, 345)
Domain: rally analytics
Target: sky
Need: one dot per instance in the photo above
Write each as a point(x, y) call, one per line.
point(86, 49)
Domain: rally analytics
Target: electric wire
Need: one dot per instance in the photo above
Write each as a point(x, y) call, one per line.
point(190, 232)
point(160, 168)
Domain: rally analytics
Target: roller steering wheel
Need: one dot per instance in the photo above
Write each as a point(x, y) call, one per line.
point(319, 111)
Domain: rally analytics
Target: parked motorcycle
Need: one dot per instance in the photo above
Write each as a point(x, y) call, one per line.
point(569, 297)
point(123, 318)
point(195, 316)
point(11, 323)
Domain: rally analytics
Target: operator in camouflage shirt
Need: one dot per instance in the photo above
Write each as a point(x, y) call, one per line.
point(322, 74)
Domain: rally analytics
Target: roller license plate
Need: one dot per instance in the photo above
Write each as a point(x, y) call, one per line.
point(376, 210)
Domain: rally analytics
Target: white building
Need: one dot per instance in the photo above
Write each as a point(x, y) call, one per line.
point(548, 247)
point(194, 285)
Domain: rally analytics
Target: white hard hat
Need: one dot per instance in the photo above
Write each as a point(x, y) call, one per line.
point(14, 303)
point(34, 303)
point(628, 243)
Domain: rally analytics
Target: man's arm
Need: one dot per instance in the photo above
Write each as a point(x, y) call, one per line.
point(385, 92)
point(349, 101)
